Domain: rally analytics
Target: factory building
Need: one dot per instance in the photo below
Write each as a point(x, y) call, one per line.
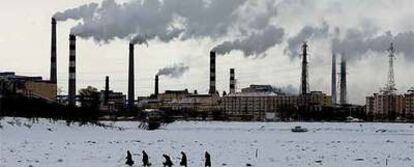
point(32, 87)
point(184, 101)
point(257, 101)
point(115, 101)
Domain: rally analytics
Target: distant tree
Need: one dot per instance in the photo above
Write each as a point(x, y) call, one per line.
point(89, 98)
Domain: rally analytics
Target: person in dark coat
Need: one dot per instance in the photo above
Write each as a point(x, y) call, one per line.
point(145, 160)
point(129, 160)
point(168, 162)
point(208, 160)
point(183, 161)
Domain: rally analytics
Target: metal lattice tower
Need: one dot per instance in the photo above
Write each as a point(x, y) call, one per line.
point(304, 79)
point(390, 86)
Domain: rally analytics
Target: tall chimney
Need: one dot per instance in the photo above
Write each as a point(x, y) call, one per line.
point(131, 80)
point(53, 53)
point(343, 98)
point(212, 89)
point(232, 82)
point(72, 70)
point(156, 86)
point(333, 79)
point(304, 80)
point(106, 93)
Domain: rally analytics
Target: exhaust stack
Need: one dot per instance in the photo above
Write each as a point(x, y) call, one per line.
point(212, 89)
point(106, 95)
point(53, 53)
point(343, 98)
point(156, 86)
point(333, 79)
point(72, 70)
point(131, 80)
point(232, 82)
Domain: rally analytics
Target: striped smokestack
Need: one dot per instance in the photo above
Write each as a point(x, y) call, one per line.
point(156, 86)
point(72, 70)
point(212, 89)
point(131, 80)
point(53, 53)
point(232, 82)
point(106, 93)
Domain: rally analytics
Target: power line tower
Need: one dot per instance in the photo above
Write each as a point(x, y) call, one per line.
point(390, 86)
point(304, 79)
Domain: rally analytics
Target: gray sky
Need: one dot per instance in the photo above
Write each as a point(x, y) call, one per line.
point(25, 43)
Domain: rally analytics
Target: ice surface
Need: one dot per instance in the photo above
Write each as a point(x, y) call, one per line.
point(54, 144)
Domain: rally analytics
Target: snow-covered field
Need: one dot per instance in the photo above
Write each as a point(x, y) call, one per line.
point(45, 143)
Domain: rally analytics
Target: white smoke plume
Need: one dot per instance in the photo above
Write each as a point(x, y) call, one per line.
point(174, 71)
point(254, 44)
point(287, 89)
point(140, 21)
point(307, 33)
point(143, 20)
point(356, 43)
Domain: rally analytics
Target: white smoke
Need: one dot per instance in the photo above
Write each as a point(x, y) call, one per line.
point(174, 71)
point(254, 44)
point(356, 43)
point(143, 20)
point(307, 33)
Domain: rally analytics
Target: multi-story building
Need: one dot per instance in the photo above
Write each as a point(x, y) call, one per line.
point(409, 104)
point(385, 106)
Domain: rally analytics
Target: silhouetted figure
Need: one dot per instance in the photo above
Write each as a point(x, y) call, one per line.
point(183, 161)
point(168, 162)
point(208, 160)
point(129, 160)
point(145, 160)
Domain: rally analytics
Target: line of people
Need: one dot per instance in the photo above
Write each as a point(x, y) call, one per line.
point(168, 162)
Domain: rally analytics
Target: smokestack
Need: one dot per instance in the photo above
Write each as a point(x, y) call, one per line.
point(106, 95)
point(333, 79)
point(212, 89)
point(304, 80)
point(53, 53)
point(343, 98)
point(72, 70)
point(131, 81)
point(156, 86)
point(232, 82)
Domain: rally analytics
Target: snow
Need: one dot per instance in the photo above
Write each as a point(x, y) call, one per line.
point(47, 143)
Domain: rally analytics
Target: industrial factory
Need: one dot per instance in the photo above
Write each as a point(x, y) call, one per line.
point(256, 102)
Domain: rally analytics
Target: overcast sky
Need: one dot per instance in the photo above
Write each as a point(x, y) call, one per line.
point(260, 39)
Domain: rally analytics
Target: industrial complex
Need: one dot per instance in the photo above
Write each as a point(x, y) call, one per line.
point(256, 102)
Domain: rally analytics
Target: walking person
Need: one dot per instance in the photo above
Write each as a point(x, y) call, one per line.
point(183, 161)
point(145, 160)
point(168, 162)
point(208, 160)
point(129, 160)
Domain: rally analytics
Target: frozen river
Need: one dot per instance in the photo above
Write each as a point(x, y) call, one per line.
point(235, 144)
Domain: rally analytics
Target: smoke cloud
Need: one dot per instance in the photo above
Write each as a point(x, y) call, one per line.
point(288, 89)
point(174, 71)
point(254, 44)
point(356, 43)
point(145, 20)
point(305, 34)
